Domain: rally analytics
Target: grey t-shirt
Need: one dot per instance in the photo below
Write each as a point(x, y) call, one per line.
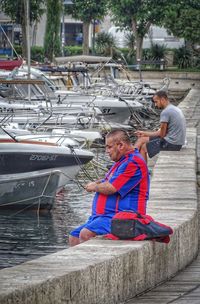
point(176, 131)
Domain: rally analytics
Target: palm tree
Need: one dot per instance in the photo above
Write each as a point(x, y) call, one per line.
point(105, 44)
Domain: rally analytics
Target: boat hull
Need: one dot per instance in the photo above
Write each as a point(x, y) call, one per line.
point(31, 173)
point(27, 157)
point(10, 64)
point(30, 190)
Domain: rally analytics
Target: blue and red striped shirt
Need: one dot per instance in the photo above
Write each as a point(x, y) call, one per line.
point(130, 177)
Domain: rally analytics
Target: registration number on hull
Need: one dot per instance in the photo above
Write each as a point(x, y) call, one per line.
point(39, 157)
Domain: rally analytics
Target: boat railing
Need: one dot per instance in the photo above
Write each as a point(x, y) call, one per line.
point(81, 99)
point(57, 138)
point(5, 118)
point(30, 90)
point(24, 117)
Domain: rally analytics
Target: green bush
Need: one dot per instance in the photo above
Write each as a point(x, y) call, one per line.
point(196, 58)
point(183, 57)
point(105, 44)
point(157, 52)
point(129, 55)
point(37, 53)
point(18, 49)
point(146, 54)
point(197, 62)
point(73, 50)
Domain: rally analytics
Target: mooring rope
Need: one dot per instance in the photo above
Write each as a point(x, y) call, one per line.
point(37, 199)
point(82, 168)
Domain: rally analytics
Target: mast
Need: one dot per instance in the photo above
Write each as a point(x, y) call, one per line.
point(27, 15)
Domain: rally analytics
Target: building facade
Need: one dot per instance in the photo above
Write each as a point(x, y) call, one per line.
point(71, 34)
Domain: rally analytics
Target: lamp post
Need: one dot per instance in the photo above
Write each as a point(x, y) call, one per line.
point(65, 2)
point(63, 31)
point(27, 15)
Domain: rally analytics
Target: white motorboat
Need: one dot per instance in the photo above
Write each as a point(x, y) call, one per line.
point(113, 109)
point(57, 135)
point(34, 167)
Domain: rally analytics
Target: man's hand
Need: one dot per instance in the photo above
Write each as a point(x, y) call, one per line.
point(105, 188)
point(148, 133)
point(140, 133)
point(91, 187)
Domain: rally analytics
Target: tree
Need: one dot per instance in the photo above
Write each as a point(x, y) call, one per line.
point(52, 41)
point(138, 16)
point(183, 20)
point(87, 11)
point(105, 44)
point(16, 10)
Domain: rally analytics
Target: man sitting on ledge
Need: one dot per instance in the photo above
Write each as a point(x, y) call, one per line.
point(125, 187)
point(172, 132)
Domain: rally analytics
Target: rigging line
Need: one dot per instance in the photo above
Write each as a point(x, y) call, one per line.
point(38, 212)
point(42, 195)
point(9, 41)
point(10, 135)
point(83, 169)
point(96, 164)
point(80, 164)
point(17, 202)
point(61, 186)
point(79, 184)
point(43, 192)
point(27, 207)
point(72, 179)
point(47, 182)
point(24, 200)
point(21, 210)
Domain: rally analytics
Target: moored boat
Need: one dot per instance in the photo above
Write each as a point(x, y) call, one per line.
point(10, 64)
point(29, 190)
point(33, 170)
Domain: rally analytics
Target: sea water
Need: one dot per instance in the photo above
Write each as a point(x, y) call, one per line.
point(26, 235)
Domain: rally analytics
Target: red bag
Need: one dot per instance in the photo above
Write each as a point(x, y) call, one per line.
point(127, 225)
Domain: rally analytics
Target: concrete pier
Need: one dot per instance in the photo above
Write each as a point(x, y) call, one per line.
point(104, 271)
point(185, 286)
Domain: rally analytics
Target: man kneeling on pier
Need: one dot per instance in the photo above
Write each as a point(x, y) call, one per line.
point(125, 187)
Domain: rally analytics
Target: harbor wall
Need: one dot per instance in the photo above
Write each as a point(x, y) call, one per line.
point(105, 271)
point(163, 74)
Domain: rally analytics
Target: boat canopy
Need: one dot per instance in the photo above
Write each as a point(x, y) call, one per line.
point(55, 69)
point(82, 58)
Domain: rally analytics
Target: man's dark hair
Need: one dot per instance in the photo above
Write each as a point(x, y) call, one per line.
point(119, 134)
point(161, 94)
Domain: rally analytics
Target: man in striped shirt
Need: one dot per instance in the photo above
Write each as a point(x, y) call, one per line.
point(125, 187)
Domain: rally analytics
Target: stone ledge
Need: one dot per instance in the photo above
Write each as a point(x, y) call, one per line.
point(105, 272)
point(162, 74)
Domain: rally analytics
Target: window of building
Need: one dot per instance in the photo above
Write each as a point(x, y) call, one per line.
point(73, 33)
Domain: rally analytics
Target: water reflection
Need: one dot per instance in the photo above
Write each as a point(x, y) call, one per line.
point(26, 235)
point(29, 235)
point(71, 210)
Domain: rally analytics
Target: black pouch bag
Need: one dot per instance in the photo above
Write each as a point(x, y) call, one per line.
point(132, 225)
